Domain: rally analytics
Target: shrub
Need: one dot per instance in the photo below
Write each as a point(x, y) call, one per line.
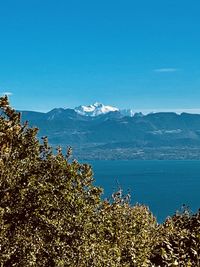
point(46, 202)
point(179, 241)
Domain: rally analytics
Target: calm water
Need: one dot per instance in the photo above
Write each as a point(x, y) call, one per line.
point(162, 185)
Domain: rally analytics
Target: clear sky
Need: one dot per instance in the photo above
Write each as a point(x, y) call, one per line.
point(140, 54)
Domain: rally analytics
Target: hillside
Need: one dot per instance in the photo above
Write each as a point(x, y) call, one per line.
point(157, 135)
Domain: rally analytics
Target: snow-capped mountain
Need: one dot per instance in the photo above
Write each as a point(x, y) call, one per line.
point(163, 135)
point(95, 110)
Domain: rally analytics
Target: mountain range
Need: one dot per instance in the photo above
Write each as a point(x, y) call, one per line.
point(105, 132)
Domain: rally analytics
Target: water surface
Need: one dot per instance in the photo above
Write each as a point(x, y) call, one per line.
point(164, 186)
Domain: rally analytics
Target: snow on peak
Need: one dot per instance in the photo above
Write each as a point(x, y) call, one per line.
point(95, 109)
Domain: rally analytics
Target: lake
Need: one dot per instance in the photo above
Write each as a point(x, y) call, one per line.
point(164, 186)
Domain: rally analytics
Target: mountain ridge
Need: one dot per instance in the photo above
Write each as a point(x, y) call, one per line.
point(93, 110)
point(113, 135)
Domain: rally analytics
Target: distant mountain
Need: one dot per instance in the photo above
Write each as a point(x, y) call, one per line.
point(99, 131)
point(97, 109)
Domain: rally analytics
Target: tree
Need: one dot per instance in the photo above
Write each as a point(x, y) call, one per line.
point(53, 215)
point(178, 242)
point(46, 202)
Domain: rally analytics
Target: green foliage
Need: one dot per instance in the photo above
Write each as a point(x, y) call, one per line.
point(51, 214)
point(46, 203)
point(179, 243)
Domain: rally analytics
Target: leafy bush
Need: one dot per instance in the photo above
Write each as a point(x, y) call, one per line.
point(46, 203)
point(179, 243)
point(51, 214)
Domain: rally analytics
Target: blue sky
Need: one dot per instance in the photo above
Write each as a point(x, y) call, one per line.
point(138, 54)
